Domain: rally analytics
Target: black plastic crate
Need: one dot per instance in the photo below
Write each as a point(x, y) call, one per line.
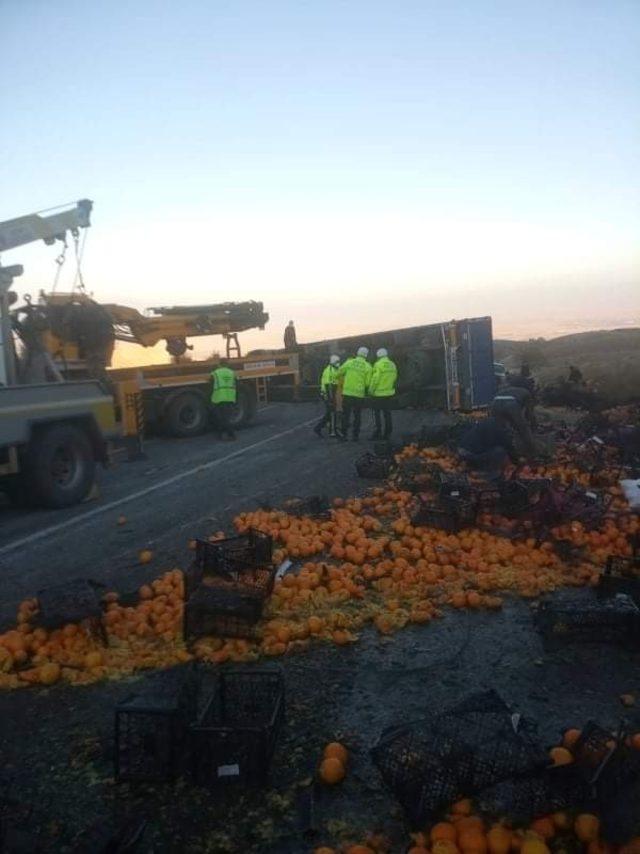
point(105, 836)
point(429, 764)
point(385, 448)
point(313, 505)
point(452, 515)
point(537, 794)
point(521, 496)
point(242, 562)
point(618, 796)
point(253, 550)
point(575, 504)
point(151, 732)
point(235, 737)
point(221, 612)
point(454, 490)
point(413, 483)
point(71, 602)
point(593, 750)
point(487, 497)
point(621, 575)
point(376, 468)
point(572, 618)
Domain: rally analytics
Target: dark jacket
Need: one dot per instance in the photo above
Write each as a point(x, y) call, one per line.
point(487, 434)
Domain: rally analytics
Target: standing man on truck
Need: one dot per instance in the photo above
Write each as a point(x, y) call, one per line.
point(290, 339)
point(355, 374)
point(382, 389)
point(223, 398)
point(328, 392)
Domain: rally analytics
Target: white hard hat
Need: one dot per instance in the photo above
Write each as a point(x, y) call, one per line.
point(381, 352)
point(363, 351)
point(334, 360)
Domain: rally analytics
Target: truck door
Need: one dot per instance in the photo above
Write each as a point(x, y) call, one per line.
point(476, 358)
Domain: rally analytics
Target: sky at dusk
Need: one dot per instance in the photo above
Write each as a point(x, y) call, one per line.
point(353, 165)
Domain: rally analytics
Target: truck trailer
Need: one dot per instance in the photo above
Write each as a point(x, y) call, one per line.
point(447, 366)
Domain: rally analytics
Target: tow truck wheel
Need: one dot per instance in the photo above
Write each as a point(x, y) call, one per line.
point(60, 466)
point(186, 415)
point(245, 408)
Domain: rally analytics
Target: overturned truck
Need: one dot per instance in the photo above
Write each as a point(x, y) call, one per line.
point(445, 366)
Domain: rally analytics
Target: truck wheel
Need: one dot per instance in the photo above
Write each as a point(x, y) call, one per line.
point(186, 415)
point(60, 466)
point(245, 408)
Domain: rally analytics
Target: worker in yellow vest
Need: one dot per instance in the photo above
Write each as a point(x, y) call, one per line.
point(223, 398)
point(355, 375)
point(328, 392)
point(382, 389)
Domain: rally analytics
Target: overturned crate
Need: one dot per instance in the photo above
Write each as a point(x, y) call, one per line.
point(575, 504)
point(621, 575)
point(455, 488)
point(246, 560)
point(71, 602)
point(452, 515)
point(536, 794)
point(526, 496)
point(228, 612)
point(431, 763)
point(373, 467)
point(227, 586)
point(235, 736)
point(312, 505)
point(618, 795)
point(151, 732)
point(574, 618)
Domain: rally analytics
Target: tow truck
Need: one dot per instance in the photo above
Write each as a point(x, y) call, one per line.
point(79, 335)
point(52, 432)
point(62, 404)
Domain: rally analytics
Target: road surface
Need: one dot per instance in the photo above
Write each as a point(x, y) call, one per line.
point(183, 489)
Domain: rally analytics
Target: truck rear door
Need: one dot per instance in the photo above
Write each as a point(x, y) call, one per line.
point(476, 361)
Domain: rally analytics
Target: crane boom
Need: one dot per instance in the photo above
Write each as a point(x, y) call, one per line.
point(28, 229)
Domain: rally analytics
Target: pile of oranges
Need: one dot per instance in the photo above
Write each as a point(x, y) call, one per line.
point(125, 639)
point(466, 833)
point(362, 563)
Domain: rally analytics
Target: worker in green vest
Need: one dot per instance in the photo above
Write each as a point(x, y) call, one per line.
point(328, 392)
point(223, 398)
point(355, 375)
point(382, 389)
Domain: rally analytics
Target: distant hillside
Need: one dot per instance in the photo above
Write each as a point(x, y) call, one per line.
point(609, 360)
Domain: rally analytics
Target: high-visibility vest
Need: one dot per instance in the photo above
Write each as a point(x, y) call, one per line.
point(329, 377)
point(383, 378)
point(224, 386)
point(356, 375)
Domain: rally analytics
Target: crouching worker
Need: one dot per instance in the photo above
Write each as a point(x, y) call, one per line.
point(487, 446)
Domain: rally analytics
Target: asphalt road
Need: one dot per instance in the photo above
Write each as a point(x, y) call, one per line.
point(183, 489)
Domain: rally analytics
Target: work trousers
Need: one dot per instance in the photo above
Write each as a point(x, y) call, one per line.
point(382, 407)
point(329, 418)
point(352, 405)
point(222, 416)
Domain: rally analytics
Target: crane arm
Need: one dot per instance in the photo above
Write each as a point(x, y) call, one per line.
point(28, 229)
point(185, 321)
